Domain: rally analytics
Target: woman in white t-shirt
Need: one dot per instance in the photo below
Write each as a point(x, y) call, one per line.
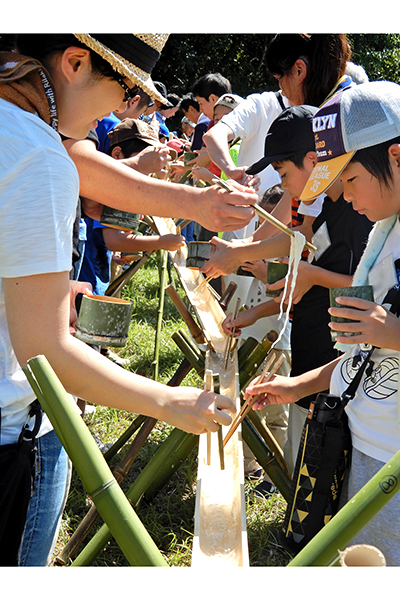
point(52, 85)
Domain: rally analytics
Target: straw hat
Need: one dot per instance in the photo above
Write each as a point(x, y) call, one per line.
point(133, 55)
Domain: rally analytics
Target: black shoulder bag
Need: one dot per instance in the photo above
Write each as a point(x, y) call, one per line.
point(17, 467)
point(324, 456)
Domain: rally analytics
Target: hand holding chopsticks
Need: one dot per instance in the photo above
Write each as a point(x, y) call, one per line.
point(264, 377)
point(263, 213)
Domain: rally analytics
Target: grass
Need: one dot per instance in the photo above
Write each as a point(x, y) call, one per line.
point(169, 516)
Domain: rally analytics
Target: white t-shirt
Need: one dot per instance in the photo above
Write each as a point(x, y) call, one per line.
point(39, 190)
point(373, 411)
point(251, 121)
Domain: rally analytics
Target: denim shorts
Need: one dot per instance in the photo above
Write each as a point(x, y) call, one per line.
point(52, 480)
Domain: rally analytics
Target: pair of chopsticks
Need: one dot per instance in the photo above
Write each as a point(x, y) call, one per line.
point(263, 213)
point(202, 284)
point(264, 377)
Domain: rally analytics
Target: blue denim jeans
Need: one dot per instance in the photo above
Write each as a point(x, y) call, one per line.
point(53, 475)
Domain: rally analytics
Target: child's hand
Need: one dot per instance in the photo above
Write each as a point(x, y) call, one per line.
point(172, 242)
point(245, 318)
point(278, 390)
point(374, 324)
point(258, 268)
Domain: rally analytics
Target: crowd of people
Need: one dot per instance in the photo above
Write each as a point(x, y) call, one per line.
point(83, 126)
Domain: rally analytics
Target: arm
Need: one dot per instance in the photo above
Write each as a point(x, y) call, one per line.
point(228, 257)
point(41, 327)
point(308, 276)
point(120, 241)
point(217, 141)
point(286, 390)
point(105, 180)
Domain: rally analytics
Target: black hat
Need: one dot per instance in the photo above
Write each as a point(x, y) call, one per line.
point(290, 133)
point(161, 89)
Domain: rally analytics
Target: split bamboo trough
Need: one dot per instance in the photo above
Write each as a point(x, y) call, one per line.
point(220, 534)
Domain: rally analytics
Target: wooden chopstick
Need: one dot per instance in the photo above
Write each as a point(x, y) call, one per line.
point(209, 387)
point(202, 284)
point(243, 407)
point(229, 340)
point(249, 404)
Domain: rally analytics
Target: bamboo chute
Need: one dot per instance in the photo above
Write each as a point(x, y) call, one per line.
point(220, 517)
point(220, 535)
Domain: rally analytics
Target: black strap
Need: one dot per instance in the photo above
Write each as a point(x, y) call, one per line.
point(280, 100)
point(29, 435)
point(351, 390)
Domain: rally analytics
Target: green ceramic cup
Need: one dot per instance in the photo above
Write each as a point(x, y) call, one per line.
point(103, 320)
point(275, 271)
point(188, 156)
point(362, 291)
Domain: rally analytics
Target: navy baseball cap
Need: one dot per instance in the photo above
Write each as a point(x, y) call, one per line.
point(289, 134)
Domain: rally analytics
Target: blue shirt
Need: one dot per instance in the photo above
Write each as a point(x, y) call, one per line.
point(96, 263)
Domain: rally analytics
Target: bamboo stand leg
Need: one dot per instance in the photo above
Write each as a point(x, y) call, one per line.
point(121, 470)
point(163, 278)
point(266, 458)
point(130, 534)
point(119, 283)
point(158, 470)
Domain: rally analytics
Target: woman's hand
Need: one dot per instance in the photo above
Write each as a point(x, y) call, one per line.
point(374, 324)
point(196, 411)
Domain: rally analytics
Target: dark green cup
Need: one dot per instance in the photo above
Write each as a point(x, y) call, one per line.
point(363, 291)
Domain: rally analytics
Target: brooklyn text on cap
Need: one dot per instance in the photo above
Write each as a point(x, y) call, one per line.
point(132, 55)
point(290, 133)
point(357, 118)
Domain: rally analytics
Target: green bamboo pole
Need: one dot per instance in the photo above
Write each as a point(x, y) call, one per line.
point(121, 470)
point(167, 459)
point(160, 311)
point(266, 459)
point(323, 549)
point(112, 504)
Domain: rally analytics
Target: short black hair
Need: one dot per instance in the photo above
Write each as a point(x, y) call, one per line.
point(187, 101)
point(212, 83)
point(375, 159)
point(297, 159)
